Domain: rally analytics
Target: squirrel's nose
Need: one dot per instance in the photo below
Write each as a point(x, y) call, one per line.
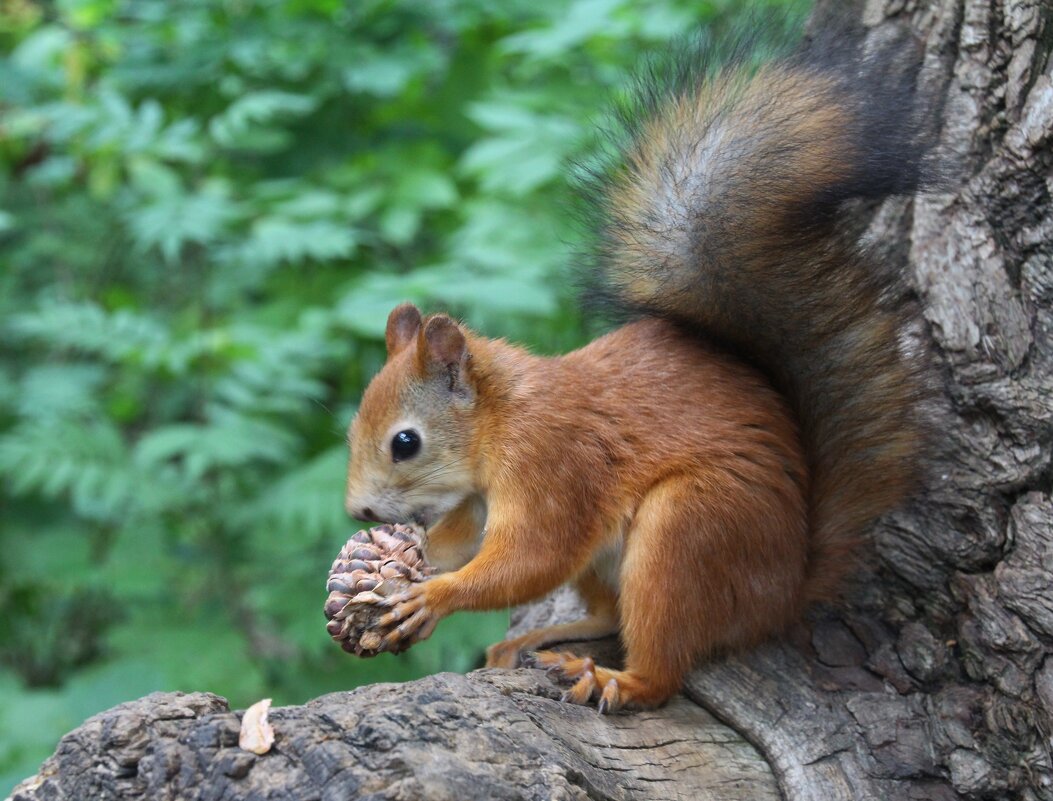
point(361, 512)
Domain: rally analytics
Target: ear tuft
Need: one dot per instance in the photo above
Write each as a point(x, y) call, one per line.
point(403, 325)
point(445, 342)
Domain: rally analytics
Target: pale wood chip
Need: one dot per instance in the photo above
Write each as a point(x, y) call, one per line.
point(257, 735)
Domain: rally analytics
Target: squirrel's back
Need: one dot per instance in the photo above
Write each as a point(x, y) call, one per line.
point(726, 215)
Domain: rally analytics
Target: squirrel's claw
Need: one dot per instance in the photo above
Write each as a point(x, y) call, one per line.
point(403, 605)
point(610, 698)
point(411, 619)
point(581, 692)
point(587, 680)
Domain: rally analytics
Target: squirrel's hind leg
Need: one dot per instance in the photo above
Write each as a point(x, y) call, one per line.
point(707, 565)
point(601, 621)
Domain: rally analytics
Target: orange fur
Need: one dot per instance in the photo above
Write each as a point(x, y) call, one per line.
point(646, 442)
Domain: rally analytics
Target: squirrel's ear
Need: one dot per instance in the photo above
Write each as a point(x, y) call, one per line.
point(443, 348)
point(403, 325)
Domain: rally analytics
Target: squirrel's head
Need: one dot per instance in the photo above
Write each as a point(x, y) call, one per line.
point(410, 441)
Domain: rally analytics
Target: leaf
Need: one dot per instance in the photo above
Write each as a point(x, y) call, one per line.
point(568, 29)
point(380, 75)
point(231, 440)
point(42, 50)
point(307, 502)
point(499, 294)
point(171, 221)
point(244, 124)
point(427, 189)
point(84, 460)
point(364, 308)
point(60, 390)
point(86, 327)
point(275, 240)
point(527, 151)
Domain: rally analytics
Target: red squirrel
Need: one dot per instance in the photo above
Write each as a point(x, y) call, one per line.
point(701, 474)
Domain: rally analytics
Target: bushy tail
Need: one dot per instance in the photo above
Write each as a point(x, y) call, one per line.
point(726, 214)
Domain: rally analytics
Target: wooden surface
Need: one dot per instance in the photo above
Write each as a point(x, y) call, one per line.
point(488, 735)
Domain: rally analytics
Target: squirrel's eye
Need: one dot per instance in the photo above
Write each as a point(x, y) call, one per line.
point(404, 445)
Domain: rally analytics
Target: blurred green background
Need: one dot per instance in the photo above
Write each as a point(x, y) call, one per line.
point(207, 208)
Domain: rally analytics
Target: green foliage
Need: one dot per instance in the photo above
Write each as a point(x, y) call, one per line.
point(207, 208)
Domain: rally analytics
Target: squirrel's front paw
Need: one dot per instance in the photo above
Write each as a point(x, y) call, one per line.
point(411, 619)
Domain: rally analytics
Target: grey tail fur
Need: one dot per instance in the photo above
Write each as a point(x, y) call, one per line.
point(726, 214)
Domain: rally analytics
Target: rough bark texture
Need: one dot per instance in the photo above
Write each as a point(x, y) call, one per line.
point(934, 681)
point(937, 682)
point(489, 735)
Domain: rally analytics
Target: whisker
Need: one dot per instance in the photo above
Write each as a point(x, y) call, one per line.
point(419, 486)
point(319, 402)
point(435, 473)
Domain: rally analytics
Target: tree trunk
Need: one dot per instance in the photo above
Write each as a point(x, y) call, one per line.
point(935, 683)
point(931, 682)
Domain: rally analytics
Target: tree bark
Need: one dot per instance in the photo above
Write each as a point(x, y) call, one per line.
point(933, 681)
point(490, 735)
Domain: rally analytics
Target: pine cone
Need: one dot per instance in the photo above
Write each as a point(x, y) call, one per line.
point(374, 564)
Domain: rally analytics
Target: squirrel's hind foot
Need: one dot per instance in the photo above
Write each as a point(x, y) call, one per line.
point(611, 689)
